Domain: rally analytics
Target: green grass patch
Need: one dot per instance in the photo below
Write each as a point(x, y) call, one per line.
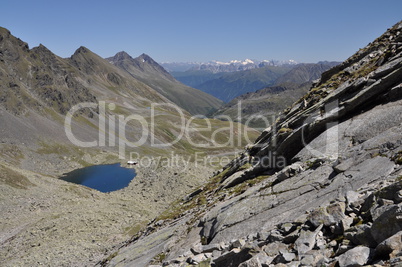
point(159, 258)
point(241, 188)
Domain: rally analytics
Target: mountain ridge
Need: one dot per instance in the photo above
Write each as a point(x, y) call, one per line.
point(270, 101)
point(229, 85)
point(61, 114)
point(216, 66)
point(145, 69)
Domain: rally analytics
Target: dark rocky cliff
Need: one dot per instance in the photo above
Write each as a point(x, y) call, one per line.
point(320, 187)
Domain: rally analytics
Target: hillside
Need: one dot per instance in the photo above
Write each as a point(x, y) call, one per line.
point(145, 69)
point(320, 187)
point(304, 72)
point(194, 78)
point(47, 221)
point(259, 109)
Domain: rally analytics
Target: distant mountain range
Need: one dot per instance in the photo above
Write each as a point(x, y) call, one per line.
point(229, 85)
point(233, 84)
point(215, 66)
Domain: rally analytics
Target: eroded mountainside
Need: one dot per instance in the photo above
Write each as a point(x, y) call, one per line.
point(320, 187)
point(47, 221)
point(145, 69)
point(260, 108)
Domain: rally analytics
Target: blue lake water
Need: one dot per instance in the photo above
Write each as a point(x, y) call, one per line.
point(105, 178)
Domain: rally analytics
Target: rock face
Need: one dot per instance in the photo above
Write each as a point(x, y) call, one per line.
point(320, 187)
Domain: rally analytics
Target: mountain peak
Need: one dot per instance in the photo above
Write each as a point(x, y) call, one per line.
point(120, 56)
point(145, 58)
point(145, 61)
point(41, 48)
point(81, 50)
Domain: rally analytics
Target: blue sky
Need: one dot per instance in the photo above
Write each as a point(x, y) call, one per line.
point(203, 30)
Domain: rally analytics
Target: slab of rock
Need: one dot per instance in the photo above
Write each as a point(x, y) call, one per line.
point(253, 262)
point(347, 222)
point(238, 243)
point(210, 248)
point(285, 257)
point(294, 264)
point(274, 236)
point(235, 179)
point(387, 224)
point(357, 256)
point(392, 192)
point(307, 240)
point(197, 249)
point(262, 235)
point(275, 248)
point(291, 238)
point(391, 246)
point(216, 254)
point(289, 171)
point(264, 258)
point(307, 260)
point(331, 215)
point(198, 258)
point(352, 197)
point(286, 228)
point(361, 235)
point(345, 165)
point(233, 258)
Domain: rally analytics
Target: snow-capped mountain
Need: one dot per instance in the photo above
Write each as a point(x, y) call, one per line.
point(215, 66)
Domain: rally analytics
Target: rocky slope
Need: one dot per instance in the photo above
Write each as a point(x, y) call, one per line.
point(260, 109)
point(145, 69)
point(320, 187)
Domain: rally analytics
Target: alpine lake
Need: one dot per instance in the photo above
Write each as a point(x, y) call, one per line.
point(104, 178)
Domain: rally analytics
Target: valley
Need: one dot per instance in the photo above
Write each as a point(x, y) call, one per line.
point(260, 164)
point(49, 221)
